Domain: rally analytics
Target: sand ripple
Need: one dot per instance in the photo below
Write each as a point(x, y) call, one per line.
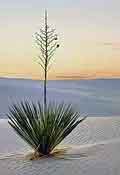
point(92, 149)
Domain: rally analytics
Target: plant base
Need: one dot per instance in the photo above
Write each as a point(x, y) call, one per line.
point(37, 156)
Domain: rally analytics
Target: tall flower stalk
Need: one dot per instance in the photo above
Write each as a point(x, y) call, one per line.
point(46, 40)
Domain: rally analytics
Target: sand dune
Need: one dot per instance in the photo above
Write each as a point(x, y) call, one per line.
point(92, 149)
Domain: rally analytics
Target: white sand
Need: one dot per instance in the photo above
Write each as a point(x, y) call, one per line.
point(94, 149)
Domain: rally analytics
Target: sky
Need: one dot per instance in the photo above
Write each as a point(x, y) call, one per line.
point(89, 37)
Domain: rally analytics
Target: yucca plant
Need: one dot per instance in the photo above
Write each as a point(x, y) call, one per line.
point(43, 126)
point(43, 131)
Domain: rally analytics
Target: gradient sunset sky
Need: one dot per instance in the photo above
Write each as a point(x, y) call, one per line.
point(89, 35)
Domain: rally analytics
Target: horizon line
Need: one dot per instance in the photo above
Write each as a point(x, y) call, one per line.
point(62, 78)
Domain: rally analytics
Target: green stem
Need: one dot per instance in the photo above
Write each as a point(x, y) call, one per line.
point(46, 59)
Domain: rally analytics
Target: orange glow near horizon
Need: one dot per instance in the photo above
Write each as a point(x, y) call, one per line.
point(89, 40)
